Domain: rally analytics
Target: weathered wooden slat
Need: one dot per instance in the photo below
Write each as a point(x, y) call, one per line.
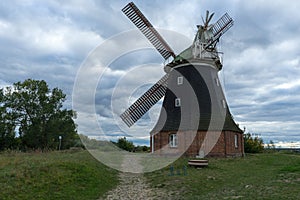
point(137, 17)
point(145, 102)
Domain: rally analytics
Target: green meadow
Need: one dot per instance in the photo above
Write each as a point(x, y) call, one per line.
point(77, 175)
point(256, 176)
point(54, 175)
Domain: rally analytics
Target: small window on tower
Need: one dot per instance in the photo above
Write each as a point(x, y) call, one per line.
point(224, 103)
point(217, 82)
point(179, 80)
point(173, 140)
point(177, 102)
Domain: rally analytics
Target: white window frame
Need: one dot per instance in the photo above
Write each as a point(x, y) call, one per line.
point(236, 139)
point(217, 82)
point(224, 103)
point(179, 80)
point(173, 140)
point(177, 102)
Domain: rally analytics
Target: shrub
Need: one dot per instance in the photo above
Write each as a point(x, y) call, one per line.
point(125, 144)
point(253, 145)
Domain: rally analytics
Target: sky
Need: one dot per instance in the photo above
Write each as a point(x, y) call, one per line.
point(92, 51)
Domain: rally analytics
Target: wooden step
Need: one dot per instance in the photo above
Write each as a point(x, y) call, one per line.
point(198, 163)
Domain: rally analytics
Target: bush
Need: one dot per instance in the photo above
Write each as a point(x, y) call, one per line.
point(125, 144)
point(141, 148)
point(253, 145)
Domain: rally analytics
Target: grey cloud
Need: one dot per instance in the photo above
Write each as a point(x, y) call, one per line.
point(50, 39)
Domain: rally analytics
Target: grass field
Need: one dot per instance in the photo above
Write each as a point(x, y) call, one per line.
point(77, 175)
point(54, 175)
point(259, 176)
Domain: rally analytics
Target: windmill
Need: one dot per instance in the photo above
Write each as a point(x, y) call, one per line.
point(194, 69)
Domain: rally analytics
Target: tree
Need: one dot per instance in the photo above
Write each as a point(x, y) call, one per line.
point(143, 148)
point(125, 144)
point(271, 146)
point(7, 134)
point(253, 145)
point(36, 112)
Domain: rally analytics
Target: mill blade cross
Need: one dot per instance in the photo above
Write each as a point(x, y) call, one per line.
point(220, 27)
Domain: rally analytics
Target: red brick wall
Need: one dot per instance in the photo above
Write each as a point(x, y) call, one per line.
point(219, 144)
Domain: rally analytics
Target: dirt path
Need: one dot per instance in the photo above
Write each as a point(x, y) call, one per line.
point(133, 184)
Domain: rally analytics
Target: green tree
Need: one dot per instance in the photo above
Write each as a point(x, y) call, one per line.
point(253, 145)
point(271, 146)
point(7, 127)
point(37, 113)
point(123, 143)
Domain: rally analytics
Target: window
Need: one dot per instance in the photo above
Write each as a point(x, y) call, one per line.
point(179, 80)
point(173, 140)
point(236, 144)
point(177, 102)
point(224, 103)
point(217, 82)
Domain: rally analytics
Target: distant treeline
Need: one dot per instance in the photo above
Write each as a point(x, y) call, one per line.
point(121, 144)
point(126, 145)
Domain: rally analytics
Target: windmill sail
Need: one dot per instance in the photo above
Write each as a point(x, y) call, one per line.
point(220, 27)
point(145, 102)
point(137, 17)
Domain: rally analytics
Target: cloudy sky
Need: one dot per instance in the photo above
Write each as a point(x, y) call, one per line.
point(60, 42)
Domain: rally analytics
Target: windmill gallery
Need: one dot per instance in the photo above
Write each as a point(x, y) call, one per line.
point(195, 119)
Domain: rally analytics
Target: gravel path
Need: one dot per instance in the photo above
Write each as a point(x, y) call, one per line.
point(133, 184)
